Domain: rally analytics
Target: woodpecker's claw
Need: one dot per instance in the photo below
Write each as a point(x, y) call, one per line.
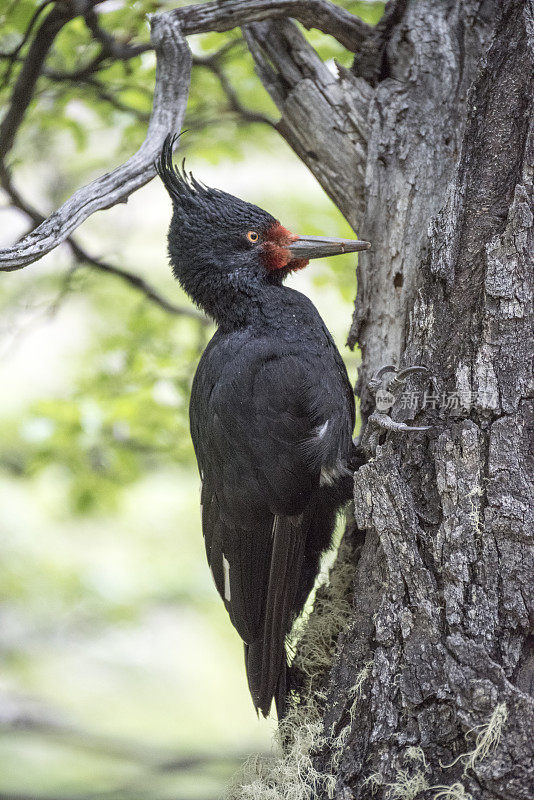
point(385, 396)
point(385, 422)
point(376, 381)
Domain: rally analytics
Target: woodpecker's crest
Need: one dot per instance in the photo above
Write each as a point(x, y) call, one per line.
point(197, 205)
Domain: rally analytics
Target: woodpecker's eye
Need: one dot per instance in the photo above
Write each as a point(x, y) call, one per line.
point(252, 236)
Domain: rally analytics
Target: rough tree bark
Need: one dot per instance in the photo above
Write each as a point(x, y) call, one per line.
point(440, 643)
point(426, 147)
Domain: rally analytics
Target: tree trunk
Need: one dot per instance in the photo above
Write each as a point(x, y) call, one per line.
point(426, 146)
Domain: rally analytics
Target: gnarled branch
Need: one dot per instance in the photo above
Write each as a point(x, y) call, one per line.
point(170, 99)
point(223, 15)
point(85, 258)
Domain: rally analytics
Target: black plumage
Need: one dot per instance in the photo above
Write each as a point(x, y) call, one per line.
point(272, 415)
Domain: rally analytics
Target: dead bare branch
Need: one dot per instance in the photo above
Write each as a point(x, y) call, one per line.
point(170, 99)
point(85, 258)
point(223, 15)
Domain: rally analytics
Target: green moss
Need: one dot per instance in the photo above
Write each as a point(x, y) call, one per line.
point(488, 737)
point(407, 786)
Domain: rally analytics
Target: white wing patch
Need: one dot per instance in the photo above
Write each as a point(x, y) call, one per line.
point(322, 430)
point(226, 569)
point(330, 475)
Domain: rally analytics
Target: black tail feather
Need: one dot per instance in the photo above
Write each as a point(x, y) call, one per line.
point(282, 692)
point(266, 662)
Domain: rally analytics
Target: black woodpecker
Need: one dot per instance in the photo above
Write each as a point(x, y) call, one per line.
point(271, 411)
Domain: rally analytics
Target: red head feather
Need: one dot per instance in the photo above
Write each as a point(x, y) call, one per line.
point(275, 249)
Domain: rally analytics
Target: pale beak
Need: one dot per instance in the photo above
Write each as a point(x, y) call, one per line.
point(307, 247)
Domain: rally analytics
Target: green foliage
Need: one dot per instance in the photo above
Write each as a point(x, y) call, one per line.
point(119, 94)
point(126, 412)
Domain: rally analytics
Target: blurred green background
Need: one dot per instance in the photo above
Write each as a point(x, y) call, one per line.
point(120, 674)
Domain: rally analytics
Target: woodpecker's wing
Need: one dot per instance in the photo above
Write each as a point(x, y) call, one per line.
point(248, 426)
point(239, 558)
point(256, 422)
